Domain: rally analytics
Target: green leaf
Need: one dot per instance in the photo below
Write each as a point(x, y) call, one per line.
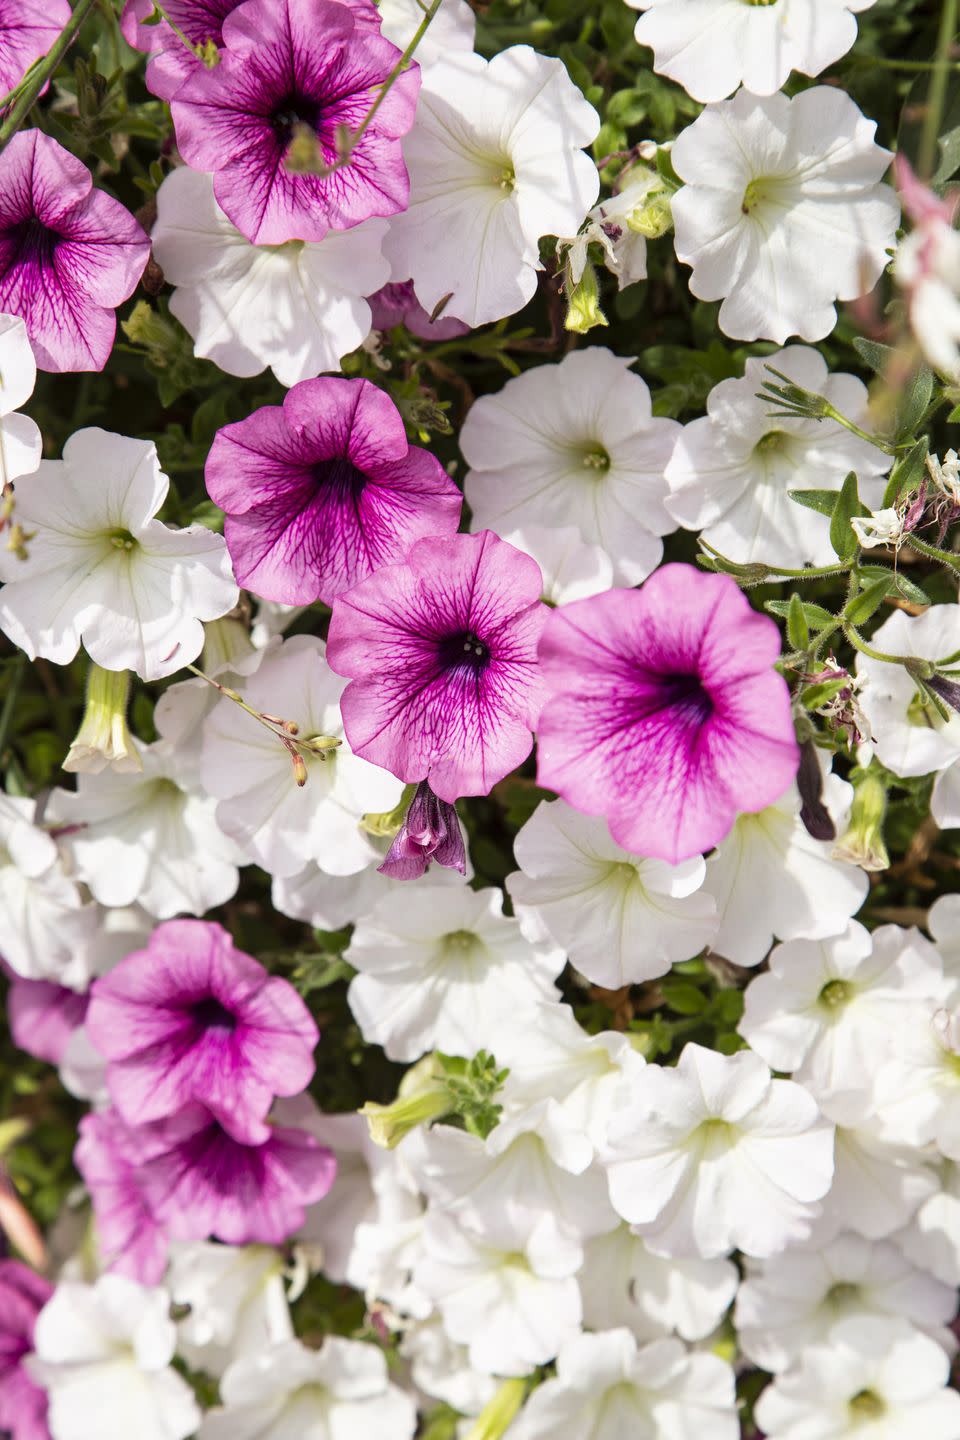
point(824, 501)
point(914, 400)
point(848, 505)
point(798, 631)
point(813, 696)
point(683, 997)
point(862, 606)
point(907, 472)
point(904, 587)
point(815, 615)
point(949, 157)
point(874, 355)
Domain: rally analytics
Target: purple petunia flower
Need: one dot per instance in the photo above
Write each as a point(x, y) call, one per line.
point(430, 832)
point(323, 490)
point(289, 69)
point(191, 1019)
point(441, 651)
point(200, 21)
point(27, 30)
point(664, 712)
point(69, 254)
point(23, 1404)
point(199, 1181)
point(108, 1155)
point(397, 304)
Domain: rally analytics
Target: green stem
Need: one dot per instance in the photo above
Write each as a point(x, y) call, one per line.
point(932, 552)
point(831, 413)
point(812, 572)
point(9, 704)
point(175, 28)
point(938, 91)
point(41, 73)
point(858, 643)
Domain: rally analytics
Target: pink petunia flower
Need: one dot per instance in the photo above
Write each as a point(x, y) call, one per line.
point(130, 1241)
point(441, 652)
point(191, 1019)
point(27, 30)
point(199, 1181)
point(664, 712)
point(323, 490)
point(43, 1016)
point(69, 254)
point(23, 1404)
point(294, 70)
point(201, 21)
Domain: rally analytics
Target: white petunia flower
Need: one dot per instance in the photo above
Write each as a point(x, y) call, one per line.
point(275, 822)
point(927, 268)
point(495, 162)
point(441, 1368)
point(791, 1302)
point(452, 28)
point(731, 470)
point(608, 1388)
point(528, 1166)
point(103, 1354)
point(236, 1298)
point(624, 1283)
point(910, 737)
point(831, 1011)
point(620, 918)
point(712, 46)
point(715, 1155)
point(770, 877)
point(571, 569)
point(48, 929)
point(877, 1186)
point(932, 1238)
point(553, 1059)
point(870, 1377)
point(917, 1089)
point(339, 1392)
point(574, 444)
point(943, 923)
point(20, 442)
point(298, 307)
point(386, 1244)
point(782, 212)
point(445, 969)
point(145, 838)
point(509, 1293)
point(331, 1224)
point(103, 571)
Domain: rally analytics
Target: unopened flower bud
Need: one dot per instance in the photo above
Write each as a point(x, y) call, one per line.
point(430, 832)
point(318, 744)
point(583, 303)
point(862, 842)
point(299, 768)
point(498, 1414)
point(948, 690)
point(104, 741)
point(304, 155)
point(421, 1098)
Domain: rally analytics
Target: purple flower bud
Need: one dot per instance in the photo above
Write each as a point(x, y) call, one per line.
point(947, 689)
point(430, 831)
point(814, 814)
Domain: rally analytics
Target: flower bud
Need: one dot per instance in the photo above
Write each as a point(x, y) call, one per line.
point(104, 740)
point(421, 1098)
point(654, 217)
point(498, 1414)
point(430, 832)
point(583, 303)
point(862, 842)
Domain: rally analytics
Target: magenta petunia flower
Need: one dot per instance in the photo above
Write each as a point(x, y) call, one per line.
point(397, 304)
point(199, 1181)
point(292, 70)
point(191, 1019)
point(664, 712)
point(200, 21)
point(323, 490)
point(43, 1016)
point(441, 652)
point(23, 1404)
point(130, 1241)
point(69, 254)
point(430, 832)
point(27, 30)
